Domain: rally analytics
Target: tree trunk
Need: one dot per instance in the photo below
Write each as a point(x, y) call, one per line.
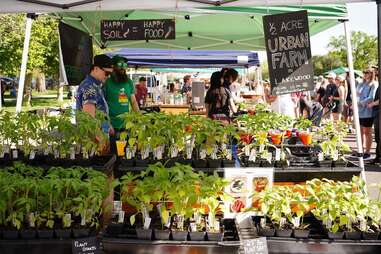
point(60, 92)
point(28, 89)
point(41, 82)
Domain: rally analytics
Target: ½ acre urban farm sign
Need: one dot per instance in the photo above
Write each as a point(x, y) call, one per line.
point(152, 29)
point(288, 52)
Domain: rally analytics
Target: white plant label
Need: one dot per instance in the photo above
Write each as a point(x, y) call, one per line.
point(320, 156)
point(202, 154)
point(189, 151)
point(362, 225)
point(296, 221)
point(261, 148)
point(277, 154)
point(168, 224)
point(229, 155)
point(56, 154)
point(83, 221)
point(217, 226)
point(223, 146)
point(6, 149)
point(72, 153)
point(2, 154)
point(174, 151)
point(68, 217)
point(253, 155)
point(197, 218)
point(335, 155)
point(147, 222)
point(134, 151)
point(15, 154)
point(282, 222)
point(85, 154)
point(328, 223)
point(263, 222)
point(269, 157)
point(31, 220)
point(32, 155)
point(92, 153)
point(117, 206)
point(121, 217)
point(247, 150)
point(193, 227)
point(159, 153)
point(128, 153)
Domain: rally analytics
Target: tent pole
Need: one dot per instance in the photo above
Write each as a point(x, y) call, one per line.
point(354, 98)
point(379, 59)
point(20, 93)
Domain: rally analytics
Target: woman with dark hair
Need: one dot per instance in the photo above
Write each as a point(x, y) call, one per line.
point(218, 100)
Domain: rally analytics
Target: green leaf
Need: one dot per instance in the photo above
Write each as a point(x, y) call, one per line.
point(132, 219)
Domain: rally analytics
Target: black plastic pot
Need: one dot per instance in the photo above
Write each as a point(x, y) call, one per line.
point(185, 161)
point(253, 164)
point(301, 233)
point(180, 235)
point(162, 234)
point(81, 232)
point(171, 162)
point(324, 164)
point(127, 163)
point(339, 164)
point(197, 236)
point(28, 233)
point(63, 233)
point(114, 229)
point(200, 163)
point(228, 163)
point(10, 234)
point(283, 232)
point(142, 163)
point(280, 164)
point(45, 234)
point(144, 234)
point(214, 163)
point(217, 237)
point(268, 232)
point(354, 235)
point(266, 164)
point(370, 235)
point(335, 236)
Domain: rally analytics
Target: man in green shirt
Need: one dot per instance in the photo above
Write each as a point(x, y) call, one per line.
point(119, 92)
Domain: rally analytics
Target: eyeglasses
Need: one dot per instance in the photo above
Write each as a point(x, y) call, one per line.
point(122, 65)
point(107, 73)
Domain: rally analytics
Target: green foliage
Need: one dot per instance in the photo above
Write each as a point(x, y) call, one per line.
point(43, 49)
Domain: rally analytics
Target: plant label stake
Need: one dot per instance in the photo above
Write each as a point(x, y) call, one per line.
point(296, 222)
point(72, 153)
point(31, 220)
point(193, 227)
point(121, 217)
point(32, 155)
point(253, 155)
point(202, 154)
point(320, 156)
point(6, 149)
point(56, 154)
point(189, 151)
point(277, 154)
point(128, 153)
point(247, 150)
point(269, 157)
point(168, 224)
point(263, 222)
point(2, 154)
point(85, 154)
point(14, 154)
point(282, 222)
point(335, 155)
point(147, 222)
point(174, 151)
point(92, 152)
point(261, 148)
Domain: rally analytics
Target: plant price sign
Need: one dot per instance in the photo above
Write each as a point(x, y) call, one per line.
point(148, 29)
point(88, 245)
point(288, 52)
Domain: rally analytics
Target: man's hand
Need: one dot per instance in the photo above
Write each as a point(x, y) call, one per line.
point(371, 104)
point(111, 131)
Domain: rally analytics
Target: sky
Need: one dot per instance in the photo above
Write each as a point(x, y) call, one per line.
point(362, 17)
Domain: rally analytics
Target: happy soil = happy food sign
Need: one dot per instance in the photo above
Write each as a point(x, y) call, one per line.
point(152, 29)
point(288, 52)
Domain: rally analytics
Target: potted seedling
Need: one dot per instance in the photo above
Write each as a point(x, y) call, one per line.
point(299, 207)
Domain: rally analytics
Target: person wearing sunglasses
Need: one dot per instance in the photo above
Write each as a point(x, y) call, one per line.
point(90, 96)
point(120, 96)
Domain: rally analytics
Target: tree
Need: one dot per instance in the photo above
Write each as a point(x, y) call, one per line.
point(325, 63)
point(364, 49)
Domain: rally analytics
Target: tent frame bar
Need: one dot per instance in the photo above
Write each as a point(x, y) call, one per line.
point(62, 6)
point(215, 3)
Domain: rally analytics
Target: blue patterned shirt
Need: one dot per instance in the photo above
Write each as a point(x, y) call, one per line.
point(90, 91)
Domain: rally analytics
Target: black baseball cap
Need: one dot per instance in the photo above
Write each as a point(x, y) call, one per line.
point(103, 62)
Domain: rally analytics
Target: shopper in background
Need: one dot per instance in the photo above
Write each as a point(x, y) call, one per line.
point(366, 92)
point(230, 76)
point(282, 104)
point(187, 88)
point(141, 92)
point(218, 100)
point(327, 100)
point(374, 105)
point(338, 98)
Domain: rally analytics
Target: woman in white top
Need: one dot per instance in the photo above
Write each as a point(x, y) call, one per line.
point(282, 104)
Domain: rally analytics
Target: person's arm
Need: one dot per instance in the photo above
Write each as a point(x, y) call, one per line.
point(89, 108)
point(371, 94)
point(207, 109)
point(232, 106)
point(134, 103)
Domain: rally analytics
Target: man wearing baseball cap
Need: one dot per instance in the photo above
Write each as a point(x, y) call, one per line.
point(90, 95)
point(330, 90)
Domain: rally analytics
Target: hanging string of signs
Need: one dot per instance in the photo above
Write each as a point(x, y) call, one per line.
point(288, 52)
point(152, 29)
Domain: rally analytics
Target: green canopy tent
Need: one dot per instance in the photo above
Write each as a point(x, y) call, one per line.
point(211, 28)
point(343, 70)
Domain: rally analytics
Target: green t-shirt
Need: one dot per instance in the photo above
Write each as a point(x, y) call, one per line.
point(118, 97)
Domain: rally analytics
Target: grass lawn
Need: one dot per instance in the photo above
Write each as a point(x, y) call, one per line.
point(47, 99)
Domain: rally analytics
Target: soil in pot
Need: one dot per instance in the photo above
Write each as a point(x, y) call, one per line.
point(301, 233)
point(45, 233)
point(217, 237)
point(370, 235)
point(214, 163)
point(10, 234)
point(200, 163)
point(63, 233)
point(228, 163)
point(335, 236)
point(353, 235)
point(267, 231)
point(144, 234)
point(197, 236)
point(162, 234)
point(28, 233)
point(180, 235)
point(114, 229)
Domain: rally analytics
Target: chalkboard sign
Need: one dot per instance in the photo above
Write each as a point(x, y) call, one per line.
point(88, 245)
point(288, 49)
point(254, 246)
point(150, 29)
